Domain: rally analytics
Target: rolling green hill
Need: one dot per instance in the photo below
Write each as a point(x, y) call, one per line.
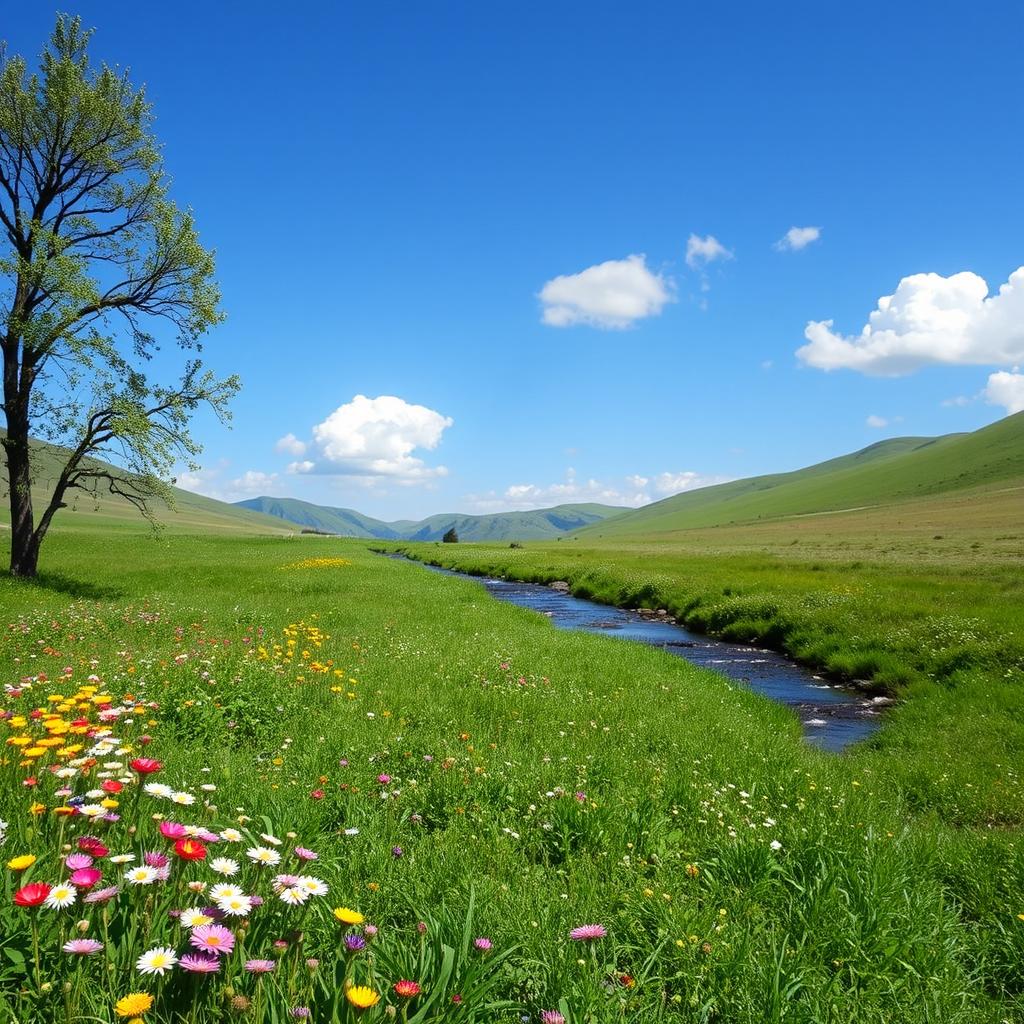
point(536, 525)
point(193, 513)
point(891, 471)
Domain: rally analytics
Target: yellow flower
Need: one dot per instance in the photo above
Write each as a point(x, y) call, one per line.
point(346, 916)
point(37, 808)
point(134, 1004)
point(22, 863)
point(362, 997)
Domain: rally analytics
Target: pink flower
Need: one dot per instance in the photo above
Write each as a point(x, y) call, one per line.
point(551, 1017)
point(74, 861)
point(199, 963)
point(172, 830)
point(85, 878)
point(383, 779)
point(82, 947)
point(303, 854)
point(213, 938)
point(588, 932)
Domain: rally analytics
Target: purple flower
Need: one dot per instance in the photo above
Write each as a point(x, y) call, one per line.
point(396, 852)
point(82, 947)
point(588, 932)
point(301, 1012)
point(259, 966)
point(155, 859)
point(354, 943)
point(199, 963)
point(483, 944)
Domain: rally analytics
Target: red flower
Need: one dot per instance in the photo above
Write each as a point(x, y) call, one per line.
point(407, 989)
point(30, 781)
point(317, 794)
point(92, 846)
point(111, 786)
point(31, 895)
point(145, 765)
point(190, 849)
point(456, 999)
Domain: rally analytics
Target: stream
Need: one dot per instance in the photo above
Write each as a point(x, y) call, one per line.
point(833, 717)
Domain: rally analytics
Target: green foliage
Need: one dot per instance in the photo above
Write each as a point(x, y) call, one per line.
point(450, 537)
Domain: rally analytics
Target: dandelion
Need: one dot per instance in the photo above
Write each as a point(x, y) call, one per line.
point(346, 916)
point(133, 1005)
point(588, 932)
point(199, 963)
point(82, 947)
point(158, 960)
point(144, 875)
point(260, 966)
point(407, 989)
point(263, 855)
point(212, 938)
point(362, 997)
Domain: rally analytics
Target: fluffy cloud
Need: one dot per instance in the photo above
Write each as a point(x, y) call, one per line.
point(702, 251)
point(374, 438)
point(1006, 389)
point(614, 294)
point(796, 239)
point(633, 491)
point(929, 319)
point(291, 445)
point(877, 422)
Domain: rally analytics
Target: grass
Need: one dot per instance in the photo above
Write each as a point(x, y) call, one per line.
point(543, 780)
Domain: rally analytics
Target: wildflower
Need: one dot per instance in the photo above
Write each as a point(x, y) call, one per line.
point(303, 854)
point(263, 855)
point(396, 852)
point(346, 916)
point(362, 997)
point(354, 943)
point(224, 890)
point(102, 895)
point(190, 849)
point(145, 766)
point(122, 858)
point(370, 931)
point(185, 799)
point(193, 918)
point(213, 938)
point(293, 895)
point(22, 862)
point(141, 876)
point(92, 846)
point(317, 794)
point(158, 960)
point(551, 1017)
point(235, 906)
point(172, 830)
point(85, 878)
point(224, 866)
point(133, 1005)
point(157, 789)
point(483, 944)
point(260, 966)
point(240, 1004)
point(301, 1012)
point(82, 947)
point(775, 844)
point(199, 963)
point(314, 886)
point(588, 932)
point(267, 838)
point(74, 861)
point(32, 895)
point(407, 989)
point(231, 835)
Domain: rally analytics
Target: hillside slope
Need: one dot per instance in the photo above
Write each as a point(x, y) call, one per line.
point(535, 525)
point(891, 471)
point(192, 513)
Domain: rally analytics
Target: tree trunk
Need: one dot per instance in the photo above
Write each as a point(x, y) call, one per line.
point(24, 544)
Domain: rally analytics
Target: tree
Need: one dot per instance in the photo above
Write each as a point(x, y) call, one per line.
point(98, 267)
point(451, 537)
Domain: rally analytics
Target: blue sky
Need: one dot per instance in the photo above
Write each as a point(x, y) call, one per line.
point(390, 187)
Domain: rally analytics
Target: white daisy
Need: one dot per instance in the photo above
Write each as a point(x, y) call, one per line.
point(263, 855)
point(224, 866)
point(92, 810)
point(143, 875)
point(231, 835)
point(235, 906)
point(185, 799)
point(122, 858)
point(314, 886)
point(193, 918)
point(156, 961)
point(157, 789)
point(66, 773)
point(223, 891)
point(294, 896)
point(61, 896)
point(273, 840)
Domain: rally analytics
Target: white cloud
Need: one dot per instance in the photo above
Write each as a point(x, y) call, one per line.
point(929, 319)
point(213, 483)
point(701, 251)
point(633, 491)
point(1006, 389)
point(957, 402)
point(291, 445)
point(614, 294)
point(796, 239)
point(370, 438)
point(877, 422)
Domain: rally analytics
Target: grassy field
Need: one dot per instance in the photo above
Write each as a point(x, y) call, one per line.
point(447, 755)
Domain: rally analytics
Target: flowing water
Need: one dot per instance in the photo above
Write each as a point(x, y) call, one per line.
point(833, 717)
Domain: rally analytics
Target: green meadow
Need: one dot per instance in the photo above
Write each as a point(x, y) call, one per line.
point(539, 780)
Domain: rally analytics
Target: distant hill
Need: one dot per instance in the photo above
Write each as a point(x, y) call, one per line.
point(894, 470)
point(536, 525)
point(194, 513)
